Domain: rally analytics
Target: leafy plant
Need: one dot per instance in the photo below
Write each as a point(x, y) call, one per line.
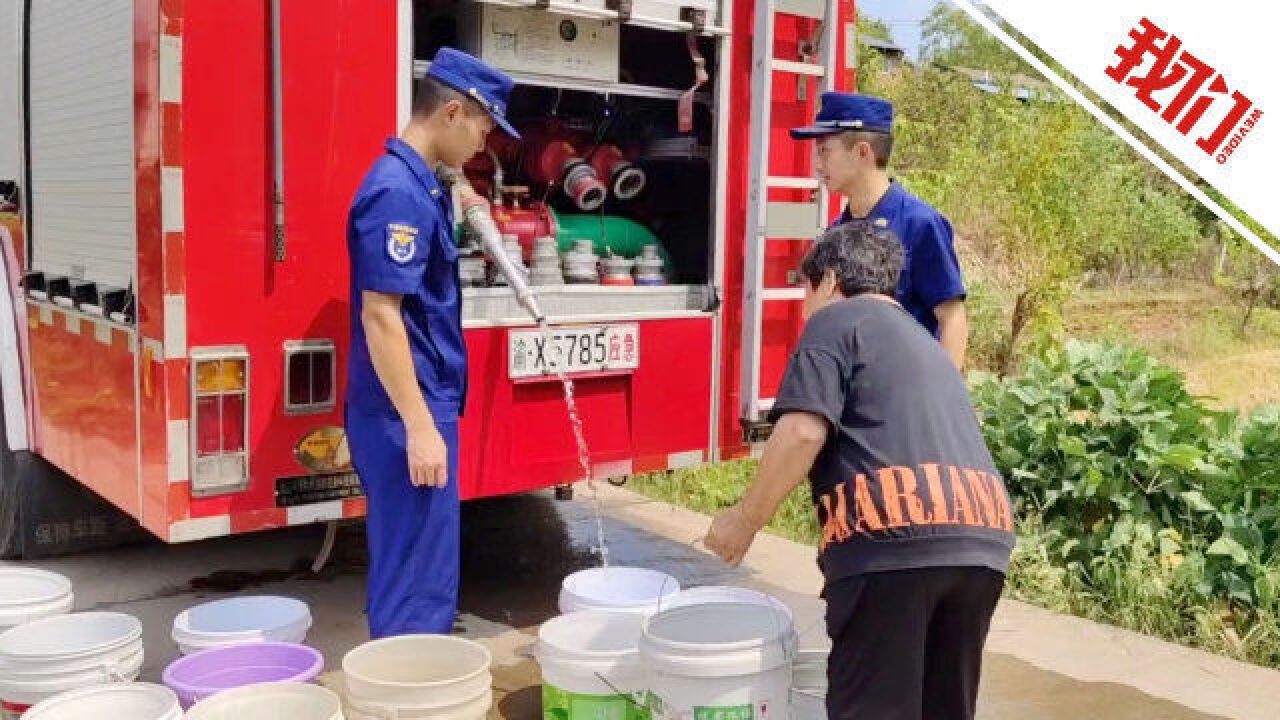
point(1133, 481)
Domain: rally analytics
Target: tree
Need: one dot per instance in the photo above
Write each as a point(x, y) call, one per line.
point(1256, 282)
point(1039, 192)
point(1251, 278)
point(952, 39)
point(874, 27)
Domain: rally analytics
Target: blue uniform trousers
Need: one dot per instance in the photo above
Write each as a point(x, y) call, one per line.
point(413, 532)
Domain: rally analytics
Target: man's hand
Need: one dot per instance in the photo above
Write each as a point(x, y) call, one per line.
point(731, 535)
point(428, 457)
point(466, 192)
point(788, 456)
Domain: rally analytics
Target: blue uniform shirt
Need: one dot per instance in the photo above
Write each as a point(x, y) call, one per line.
point(400, 241)
point(931, 275)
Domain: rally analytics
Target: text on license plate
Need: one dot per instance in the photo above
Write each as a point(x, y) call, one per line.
point(577, 349)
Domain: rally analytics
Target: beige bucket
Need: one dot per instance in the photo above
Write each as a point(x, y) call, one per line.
point(270, 701)
point(419, 676)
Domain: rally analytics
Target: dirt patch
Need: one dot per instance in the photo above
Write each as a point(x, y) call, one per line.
point(1247, 381)
point(1193, 329)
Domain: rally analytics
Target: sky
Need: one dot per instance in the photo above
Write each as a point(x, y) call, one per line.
point(903, 17)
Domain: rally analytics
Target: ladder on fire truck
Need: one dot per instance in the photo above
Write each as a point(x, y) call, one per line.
point(768, 221)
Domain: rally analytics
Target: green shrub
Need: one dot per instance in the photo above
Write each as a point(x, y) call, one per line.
point(1152, 510)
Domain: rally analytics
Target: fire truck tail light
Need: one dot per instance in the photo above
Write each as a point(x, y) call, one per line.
point(219, 475)
point(223, 375)
point(220, 427)
point(220, 424)
point(234, 421)
point(208, 426)
point(309, 371)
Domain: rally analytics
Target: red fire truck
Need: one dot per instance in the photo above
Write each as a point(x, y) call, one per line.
point(175, 243)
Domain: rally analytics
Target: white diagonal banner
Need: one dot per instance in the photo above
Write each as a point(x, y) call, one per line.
point(1198, 78)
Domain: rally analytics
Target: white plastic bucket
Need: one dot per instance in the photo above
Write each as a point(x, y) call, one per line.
point(809, 686)
point(625, 589)
point(809, 670)
point(591, 665)
point(241, 620)
point(419, 676)
point(270, 701)
point(28, 594)
point(724, 594)
point(808, 705)
point(134, 701)
point(732, 660)
point(19, 693)
point(46, 657)
point(476, 708)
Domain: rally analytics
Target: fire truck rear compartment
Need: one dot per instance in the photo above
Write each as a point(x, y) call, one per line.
point(603, 158)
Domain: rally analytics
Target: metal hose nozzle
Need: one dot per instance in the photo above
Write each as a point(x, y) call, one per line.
point(475, 213)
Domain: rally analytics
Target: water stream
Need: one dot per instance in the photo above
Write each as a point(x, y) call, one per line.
point(584, 454)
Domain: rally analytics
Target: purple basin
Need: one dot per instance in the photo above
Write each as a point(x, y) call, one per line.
point(209, 672)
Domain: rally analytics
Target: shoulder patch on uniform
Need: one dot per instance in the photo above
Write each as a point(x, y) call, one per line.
point(402, 242)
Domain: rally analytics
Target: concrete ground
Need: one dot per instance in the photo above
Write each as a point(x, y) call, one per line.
point(1039, 665)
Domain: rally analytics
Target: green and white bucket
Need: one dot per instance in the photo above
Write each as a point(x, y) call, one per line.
point(591, 667)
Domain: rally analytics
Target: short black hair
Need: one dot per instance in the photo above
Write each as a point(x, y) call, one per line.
point(881, 144)
point(863, 257)
point(432, 94)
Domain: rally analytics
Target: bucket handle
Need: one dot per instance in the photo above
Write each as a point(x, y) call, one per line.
point(662, 594)
point(113, 671)
point(637, 698)
point(657, 706)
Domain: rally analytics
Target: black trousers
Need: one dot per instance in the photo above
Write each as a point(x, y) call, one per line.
point(907, 644)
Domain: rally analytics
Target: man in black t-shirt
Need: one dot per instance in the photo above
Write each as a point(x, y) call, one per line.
point(917, 526)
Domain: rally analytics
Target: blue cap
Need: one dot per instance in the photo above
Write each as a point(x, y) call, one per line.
point(488, 86)
point(848, 111)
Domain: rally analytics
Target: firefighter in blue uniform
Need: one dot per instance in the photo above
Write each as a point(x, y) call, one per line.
point(407, 372)
point(854, 136)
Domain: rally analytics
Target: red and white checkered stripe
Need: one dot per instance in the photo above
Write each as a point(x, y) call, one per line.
point(632, 466)
point(216, 525)
point(206, 527)
point(77, 322)
point(165, 342)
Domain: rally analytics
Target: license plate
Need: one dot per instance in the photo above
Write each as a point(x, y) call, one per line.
point(307, 489)
point(573, 350)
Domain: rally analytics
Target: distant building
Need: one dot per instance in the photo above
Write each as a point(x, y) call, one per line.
point(895, 56)
point(1025, 88)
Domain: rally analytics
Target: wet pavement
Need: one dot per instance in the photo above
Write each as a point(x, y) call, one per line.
point(516, 552)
